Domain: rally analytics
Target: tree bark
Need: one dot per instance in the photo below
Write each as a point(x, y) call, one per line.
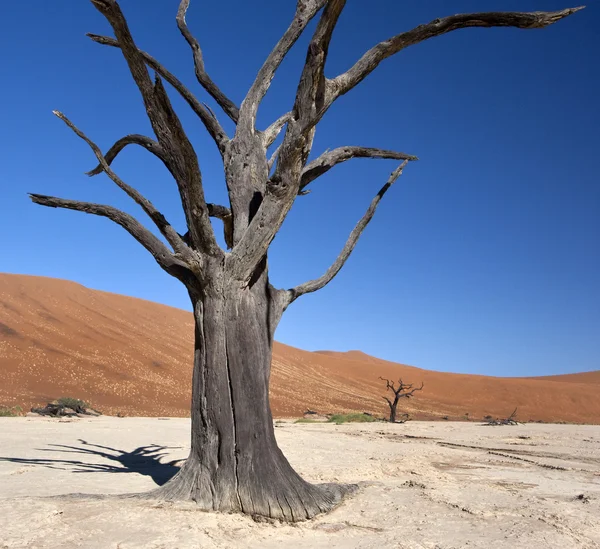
point(234, 462)
point(393, 408)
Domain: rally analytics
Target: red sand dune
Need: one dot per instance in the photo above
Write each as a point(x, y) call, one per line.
point(58, 338)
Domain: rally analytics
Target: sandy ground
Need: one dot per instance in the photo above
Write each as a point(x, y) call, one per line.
point(423, 485)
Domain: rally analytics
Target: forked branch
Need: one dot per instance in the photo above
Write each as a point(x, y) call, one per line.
point(179, 152)
point(404, 390)
point(329, 159)
point(305, 11)
point(282, 187)
point(310, 95)
point(210, 122)
point(318, 283)
point(314, 96)
point(158, 218)
point(168, 261)
point(224, 102)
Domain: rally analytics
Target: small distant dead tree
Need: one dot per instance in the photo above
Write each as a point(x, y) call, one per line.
point(404, 390)
point(510, 420)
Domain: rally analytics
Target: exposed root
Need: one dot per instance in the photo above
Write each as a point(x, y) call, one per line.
point(325, 497)
point(279, 505)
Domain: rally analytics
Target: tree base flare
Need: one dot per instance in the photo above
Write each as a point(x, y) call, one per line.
point(288, 502)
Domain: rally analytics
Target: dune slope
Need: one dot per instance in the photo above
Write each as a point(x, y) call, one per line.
point(129, 356)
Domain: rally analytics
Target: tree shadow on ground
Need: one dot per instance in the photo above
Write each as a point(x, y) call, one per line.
point(144, 460)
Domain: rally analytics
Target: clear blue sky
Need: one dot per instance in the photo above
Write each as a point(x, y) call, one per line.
point(483, 258)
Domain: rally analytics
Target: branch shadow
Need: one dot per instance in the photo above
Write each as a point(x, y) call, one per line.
point(144, 460)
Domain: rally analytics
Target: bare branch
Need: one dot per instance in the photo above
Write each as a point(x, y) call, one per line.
point(183, 165)
point(159, 220)
point(370, 60)
point(273, 131)
point(412, 390)
point(312, 88)
point(132, 139)
point(314, 96)
point(168, 261)
point(389, 384)
point(179, 152)
point(224, 214)
point(282, 187)
point(210, 122)
point(218, 211)
point(329, 159)
point(318, 283)
point(224, 102)
point(273, 158)
point(305, 11)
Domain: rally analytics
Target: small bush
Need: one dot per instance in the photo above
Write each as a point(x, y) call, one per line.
point(338, 419)
point(72, 403)
point(307, 420)
point(5, 411)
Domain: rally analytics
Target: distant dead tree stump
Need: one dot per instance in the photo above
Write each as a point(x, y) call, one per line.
point(315, 416)
point(510, 420)
point(67, 407)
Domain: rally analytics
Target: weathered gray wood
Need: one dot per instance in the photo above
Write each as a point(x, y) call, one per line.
point(212, 125)
point(165, 258)
point(322, 281)
point(305, 11)
point(159, 219)
point(273, 131)
point(234, 462)
point(131, 139)
point(179, 152)
point(370, 60)
point(329, 159)
point(207, 83)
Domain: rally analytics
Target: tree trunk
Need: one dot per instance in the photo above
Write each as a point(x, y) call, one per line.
point(393, 410)
point(234, 462)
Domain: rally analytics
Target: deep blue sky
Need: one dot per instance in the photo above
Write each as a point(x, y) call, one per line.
point(483, 258)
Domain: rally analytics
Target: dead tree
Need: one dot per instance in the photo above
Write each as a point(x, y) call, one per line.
point(235, 463)
point(510, 420)
point(404, 390)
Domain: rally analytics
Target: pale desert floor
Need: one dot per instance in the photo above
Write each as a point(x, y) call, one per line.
point(434, 485)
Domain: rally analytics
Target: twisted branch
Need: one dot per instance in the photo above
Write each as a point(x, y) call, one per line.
point(168, 261)
point(132, 139)
point(305, 11)
point(318, 283)
point(370, 60)
point(224, 102)
point(210, 122)
point(158, 218)
point(329, 159)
